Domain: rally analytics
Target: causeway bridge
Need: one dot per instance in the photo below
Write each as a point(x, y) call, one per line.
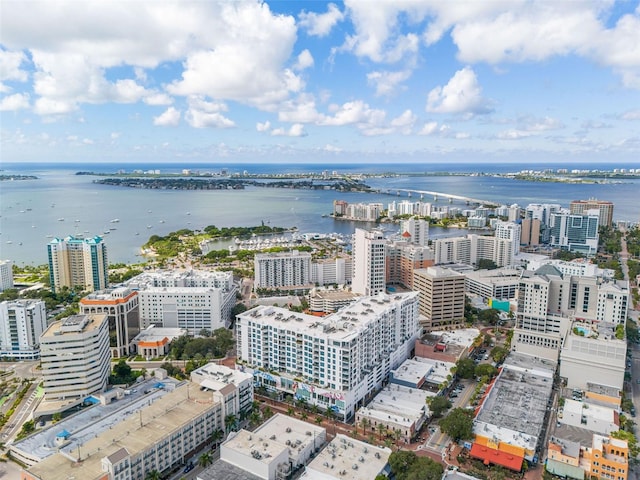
point(437, 195)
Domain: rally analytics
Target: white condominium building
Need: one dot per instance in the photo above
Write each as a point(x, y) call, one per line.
point(78, 262)
point(417, 230)
point(334, 271)
point(193, 300)
point(282, 270)
point(6, 275)
point(75, 359)
point(368, 262)
point(509, 231)
point(334, 362)
point(21, 324)
point(472, 248)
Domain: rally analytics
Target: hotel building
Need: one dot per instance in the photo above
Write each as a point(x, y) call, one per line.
point(78, 262)
point(334, 362)
point(21, 324)
point(368, 262)
point(605, 209)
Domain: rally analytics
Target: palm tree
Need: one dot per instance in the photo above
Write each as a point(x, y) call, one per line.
point(267, 412)
point(381, 429)
point(255, 417)
point(216, 436)
point(230, 422)
point(205, 460)
point(304, 415)
point(291, 412)
point(318, 420)
point(397, 435)
point(366, 423)
point(152, 475)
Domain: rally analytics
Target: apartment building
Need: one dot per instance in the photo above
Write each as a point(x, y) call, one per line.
point(75, 360)
point(333, 362)
point(78, 262)
point(441, 293)
point(332, 271)
point(232, 388)
point(282, 270)
point(368, 262)
point(605, 209)
point(403, 258)
point(6, 275)
point(329, 300)
point(607, 458)
point(121, 306)
point(21, 324)
point(193, 300)
point(415, 230)
point(472, 248)
point(509, 231)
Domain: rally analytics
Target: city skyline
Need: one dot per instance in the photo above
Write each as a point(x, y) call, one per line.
point(421, 81)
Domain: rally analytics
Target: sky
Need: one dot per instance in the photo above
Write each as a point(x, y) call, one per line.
point(198, 81)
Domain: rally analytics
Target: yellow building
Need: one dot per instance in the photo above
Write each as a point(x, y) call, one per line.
point(608, 458)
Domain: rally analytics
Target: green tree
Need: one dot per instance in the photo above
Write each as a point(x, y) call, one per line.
point(490, 316)
point(406, 465)
point(486, 370)
point(458, 424)
point(216, 436)
point(498, 354)
point(205, 460)
point(152, 475)
point(230, 422)
point(465, 368)
point(438, 405)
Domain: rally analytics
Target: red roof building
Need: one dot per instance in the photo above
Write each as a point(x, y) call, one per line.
point(496, 457)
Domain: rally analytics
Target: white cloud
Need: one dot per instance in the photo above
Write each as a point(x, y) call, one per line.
point(429, 128)
point(331, 148)
point(356, 112)
point(47, 106)
point(299, 110)
point(169, 118)
point(631, 115)
point(203, 119)
point(263, 127)
point(404, 122)
point(540, 124)
point(158, 99)
point(14, 102)
point(462, 94)
point(514, 134)
point(320, 24)
point(386, 83)
point(296, 130)
point(10, 63)
point(305, 60)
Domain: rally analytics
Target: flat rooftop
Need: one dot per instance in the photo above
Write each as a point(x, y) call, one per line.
point(222, 470)
point(398, 404)
point(498, 276)
point(345, 457)
point(92, 421)
point(75, 324)
point(515, 407)
point(218, 376)
point(412, 371)
point(343, 325)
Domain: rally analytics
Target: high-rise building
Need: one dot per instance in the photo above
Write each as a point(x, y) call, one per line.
point(575, 232)
point(121, 305)
point(21, 324)
point(542, 212)
point(368, 262)
point(403, 258)
point(605, 209)
point(530, 233)
point(509, 231)
point(75, 360)
point(193, 300)
point(334, 362)
point(472, 248)
point(78, 262)
point(441, 293)
point(282, 269)
point(6, 275)
point(417, 230)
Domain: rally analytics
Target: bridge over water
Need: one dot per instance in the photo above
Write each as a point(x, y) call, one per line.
point(450, 196)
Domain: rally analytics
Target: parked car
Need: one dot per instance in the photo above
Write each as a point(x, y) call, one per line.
point(188, 467)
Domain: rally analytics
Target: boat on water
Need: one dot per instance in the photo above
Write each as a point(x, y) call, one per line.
point(9, 241)
point(49, 236)
point(148, 226)
point(115, 220)
point(61, 219)
point(106, 232)
point(161, 221)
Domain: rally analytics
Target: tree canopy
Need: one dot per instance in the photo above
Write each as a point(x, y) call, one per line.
point(458, 424)
point(465, 368)
point(406, 465)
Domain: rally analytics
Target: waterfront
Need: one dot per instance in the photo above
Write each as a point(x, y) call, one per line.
point(60, 203)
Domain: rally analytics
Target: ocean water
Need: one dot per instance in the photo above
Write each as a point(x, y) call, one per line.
point(61, 203)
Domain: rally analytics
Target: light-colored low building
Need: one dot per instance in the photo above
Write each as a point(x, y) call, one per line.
point(153, 342)
point(329, 300)
point(500, 283)
point(233, 388)
point(447, 345)
point(590, 416)
point(400, 409)
point(275, 449)
point(345, 458)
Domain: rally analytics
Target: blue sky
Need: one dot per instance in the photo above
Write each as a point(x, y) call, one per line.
point(295, 81)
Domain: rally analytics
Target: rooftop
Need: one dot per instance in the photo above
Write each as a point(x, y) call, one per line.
point(222, 470)
point(397, 404)
point(75, 324)
point(345, 457)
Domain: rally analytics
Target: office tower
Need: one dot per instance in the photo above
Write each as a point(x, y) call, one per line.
point(6, 275)
point(441, 293)
point(542, 212)
point(575, 232)
point(282, 269)
point(368, 262)
point(21, 324)
point(78, 262)
point(605, 209)
point(75, 360)
point(121, 306)
point(417, 230)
